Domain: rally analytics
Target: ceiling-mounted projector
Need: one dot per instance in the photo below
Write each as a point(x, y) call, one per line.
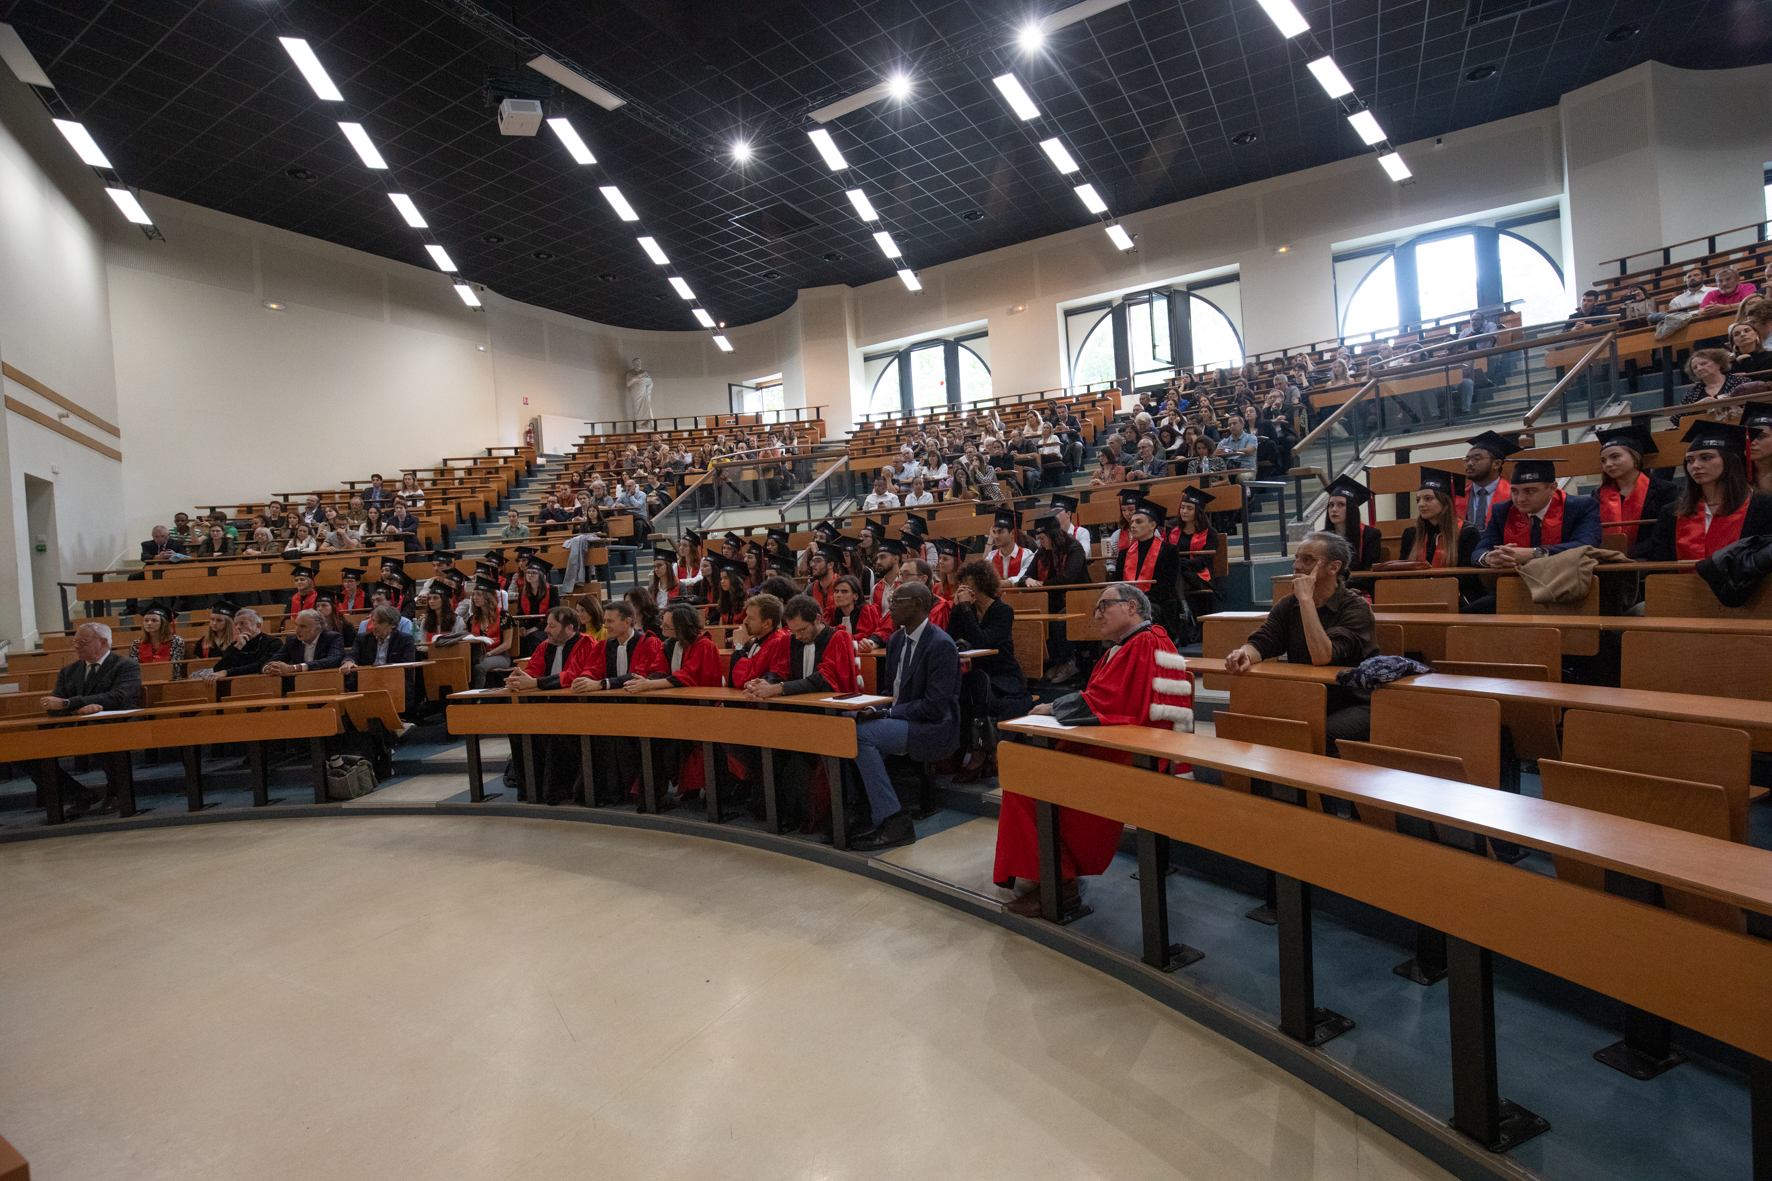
point(519, 116)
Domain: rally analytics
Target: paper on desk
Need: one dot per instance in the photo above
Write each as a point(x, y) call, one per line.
point(108, 713)
point(860, 701)
point(1044, 721)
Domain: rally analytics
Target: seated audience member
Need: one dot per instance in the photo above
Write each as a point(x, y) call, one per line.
point(564, 657)
point(1058, 562)
point(851, 611)
point(630, 653)
point(534, 598)
point(1346, 497)
point(918, 495)
point(1438, 538)
point(1756, 419)
point(1729, 289)
point(1127, 687)
point(1591, 311)
point(1748, 352)
point(1636, 304)
point(377, 492)
point(1717, 505)
point(822, 560)
point(435, 620)
point(410, 492)
point(664, 584)
point(160, 642)
point(1321, 622)
point(162, 545)
point(248, 653)
point(821, 658)
point(993, 688)
point(264, 544)
point(922, 668)
point(1484, 485)
point(646, 612)
point(304, 596)
point(97, 680)
point(1237, 448)
point(310, 649)
point(181, 527)
point(1202, 460)
point(492, 628)
point(552, 513)
point(1693, 296)
point(514, 527)
point(401, 524)
point(381, 639)
point(351, 596)
point(1627, 492)
point(1538, 518)
point(1012, 562)
point(1109, 471)
point(882, 497)
point(691, 658)
point(303, 541)
point(218, 637)
point(216, 543)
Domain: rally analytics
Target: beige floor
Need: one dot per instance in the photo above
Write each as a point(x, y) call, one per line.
point(416, 997)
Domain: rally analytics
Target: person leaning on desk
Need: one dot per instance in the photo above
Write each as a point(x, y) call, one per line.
point(1537, 519)
point(1337, 628)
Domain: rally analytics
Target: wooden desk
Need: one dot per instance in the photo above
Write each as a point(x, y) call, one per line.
point(828, 734)
point(1705, 977)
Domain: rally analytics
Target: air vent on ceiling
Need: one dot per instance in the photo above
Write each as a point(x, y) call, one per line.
point(1477, 12)
point(502, 84)
point(772, 223)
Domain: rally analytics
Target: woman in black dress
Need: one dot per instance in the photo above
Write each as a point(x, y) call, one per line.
point(1346, 497)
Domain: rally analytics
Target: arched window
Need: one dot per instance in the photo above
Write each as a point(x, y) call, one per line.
point(1528, 274)
point(927, 374)
point(1449, 272)
point(1216, 343)
point(1374, 305)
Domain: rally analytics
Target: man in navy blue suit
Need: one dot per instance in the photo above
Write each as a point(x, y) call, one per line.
point(1537, 519)
point(922, 669)
point(313, 647)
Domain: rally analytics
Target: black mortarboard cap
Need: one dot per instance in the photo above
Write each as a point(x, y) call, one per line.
point(1067, 503)
point(455, 578)
point(733, 538)
point(781, 563)
point(161, 609)
point(1538, 470)
point(444, 555)
point(324, 596)
point(1202, 498)
point(226, 607)
point(485, 584)
point(1756, 414)
point(665, 553)
point(755, 547)
point(1637, 438)
point(1500, 446)
point(396, 563)
point(780, 535)
point(827, 530)
point(301, 569)
point(1356, 493)
point(1130, 495)
point(1450, 483)
point(1151, 509)
point(1047, 522)
point(877, 528)
point(849, 543)
point(894, 547)
point(913, 523)
point(494, 555)
point(356, 572)
point(1715, 436)
point(947, 546)
point(537, 562)
point(1006, 518)
point(524, 552)
point(734, 565)
point(830, 553)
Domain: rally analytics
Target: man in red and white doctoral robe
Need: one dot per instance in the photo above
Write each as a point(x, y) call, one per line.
point(1122, 690)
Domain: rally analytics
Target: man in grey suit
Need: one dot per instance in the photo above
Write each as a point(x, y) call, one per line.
point(99, 680)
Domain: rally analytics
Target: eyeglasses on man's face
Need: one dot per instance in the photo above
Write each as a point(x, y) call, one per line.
point(1102, 605)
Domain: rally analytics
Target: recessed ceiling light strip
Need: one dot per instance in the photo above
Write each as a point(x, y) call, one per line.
point(1336, 85)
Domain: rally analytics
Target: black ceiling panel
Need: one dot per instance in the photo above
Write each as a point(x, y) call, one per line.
point(198, 101)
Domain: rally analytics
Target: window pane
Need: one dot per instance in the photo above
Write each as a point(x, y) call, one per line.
point(772, 398)
point(929, 377)
point(1374, 305)
point(1215, 340)
point(885, 397)
point(1095, 360)
point(1526, 275)
point(1147, 322)
point(975, 376)
point(1446, 276)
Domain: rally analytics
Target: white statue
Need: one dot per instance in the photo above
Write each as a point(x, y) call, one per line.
point(640, 394)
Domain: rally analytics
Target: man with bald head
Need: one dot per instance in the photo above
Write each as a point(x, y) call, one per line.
point(98, 680)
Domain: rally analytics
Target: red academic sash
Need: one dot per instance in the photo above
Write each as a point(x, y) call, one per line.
point(302, 602)
point(1145, 569)
point(1518, 530)
point(1503, 491)
point(1692, 540)
point(1615, 508)
point(354, 602)
point(1021, 558)
point(147, 653)
point(1196, 543)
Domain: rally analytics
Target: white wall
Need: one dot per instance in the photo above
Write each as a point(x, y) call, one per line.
point(54, 327)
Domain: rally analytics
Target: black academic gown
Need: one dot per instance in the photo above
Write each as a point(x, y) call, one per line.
point(1165, 599)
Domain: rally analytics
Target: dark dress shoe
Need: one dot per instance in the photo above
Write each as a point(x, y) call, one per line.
point(897, 830)
point(1027, 905)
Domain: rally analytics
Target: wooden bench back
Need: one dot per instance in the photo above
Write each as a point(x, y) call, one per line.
point(1713, 665)
point(1669, 750)
point(1467, 728)
point(1301, 701)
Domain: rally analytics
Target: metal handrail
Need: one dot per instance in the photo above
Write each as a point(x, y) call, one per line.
point(1666, 252)
point(1686, 410)
point(807, 491)
point(682, 496)
point(1556, 391)
point(1340, 411)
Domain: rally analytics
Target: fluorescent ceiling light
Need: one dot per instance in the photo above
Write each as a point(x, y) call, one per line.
point(899, 86)
point(854, 102)
point(17, 57)
point(702, 317)
point(725, 345)
point(619, 203)
point(827, 147)
point(132, 209)
point(467, 295)
point(741, 151)
point(1091, 199)
point(1031, 37)
point(1331, 77)
point(575, 147)
point(82, 142)
point(888, 245)
point(682, 288)
point(1121, 239)
point(864, 208)
point(360, 140)
point(1075, 13)
point(653, 251)
point(910, 279)
point(1285, 15)
point(441, 257)
point(1016, 97)
point(576, 82)
point(1061, 159)
point(1367, 126)
point(311, 69)
point(1393, 164)
point(408, 210)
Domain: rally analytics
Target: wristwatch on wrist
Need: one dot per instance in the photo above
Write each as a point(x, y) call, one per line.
point(1539, 552)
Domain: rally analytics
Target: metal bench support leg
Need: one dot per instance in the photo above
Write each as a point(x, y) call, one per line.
point(711, 790)
point(833, 773)
point(1300, 1016)
point(1478, 1110)
point(193, 756)
point(261, 775)
point(476, 776)
point(648, 781)
point(531, 776)
point(123, 772)
point(317, 755)
point(1153, 895)
point(1050, 843)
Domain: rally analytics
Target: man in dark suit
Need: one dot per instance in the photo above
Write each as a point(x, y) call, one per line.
point(162, 547)
point(1536, 520)
point(383, 643)
point(99, 680)
point(922, 668)
point(313, 647)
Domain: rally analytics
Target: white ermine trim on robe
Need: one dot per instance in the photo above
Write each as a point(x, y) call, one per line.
point(1172, 688)
point(1170, 659)
point(1179, 717)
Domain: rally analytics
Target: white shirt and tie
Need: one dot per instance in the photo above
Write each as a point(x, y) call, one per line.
point(1479, 503)
point(911, 639)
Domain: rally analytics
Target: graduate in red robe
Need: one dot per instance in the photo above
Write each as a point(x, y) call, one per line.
point(691, 661)
point(1122, 690)
point(1717, 505)
point(821, 659)
point(305, 595)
